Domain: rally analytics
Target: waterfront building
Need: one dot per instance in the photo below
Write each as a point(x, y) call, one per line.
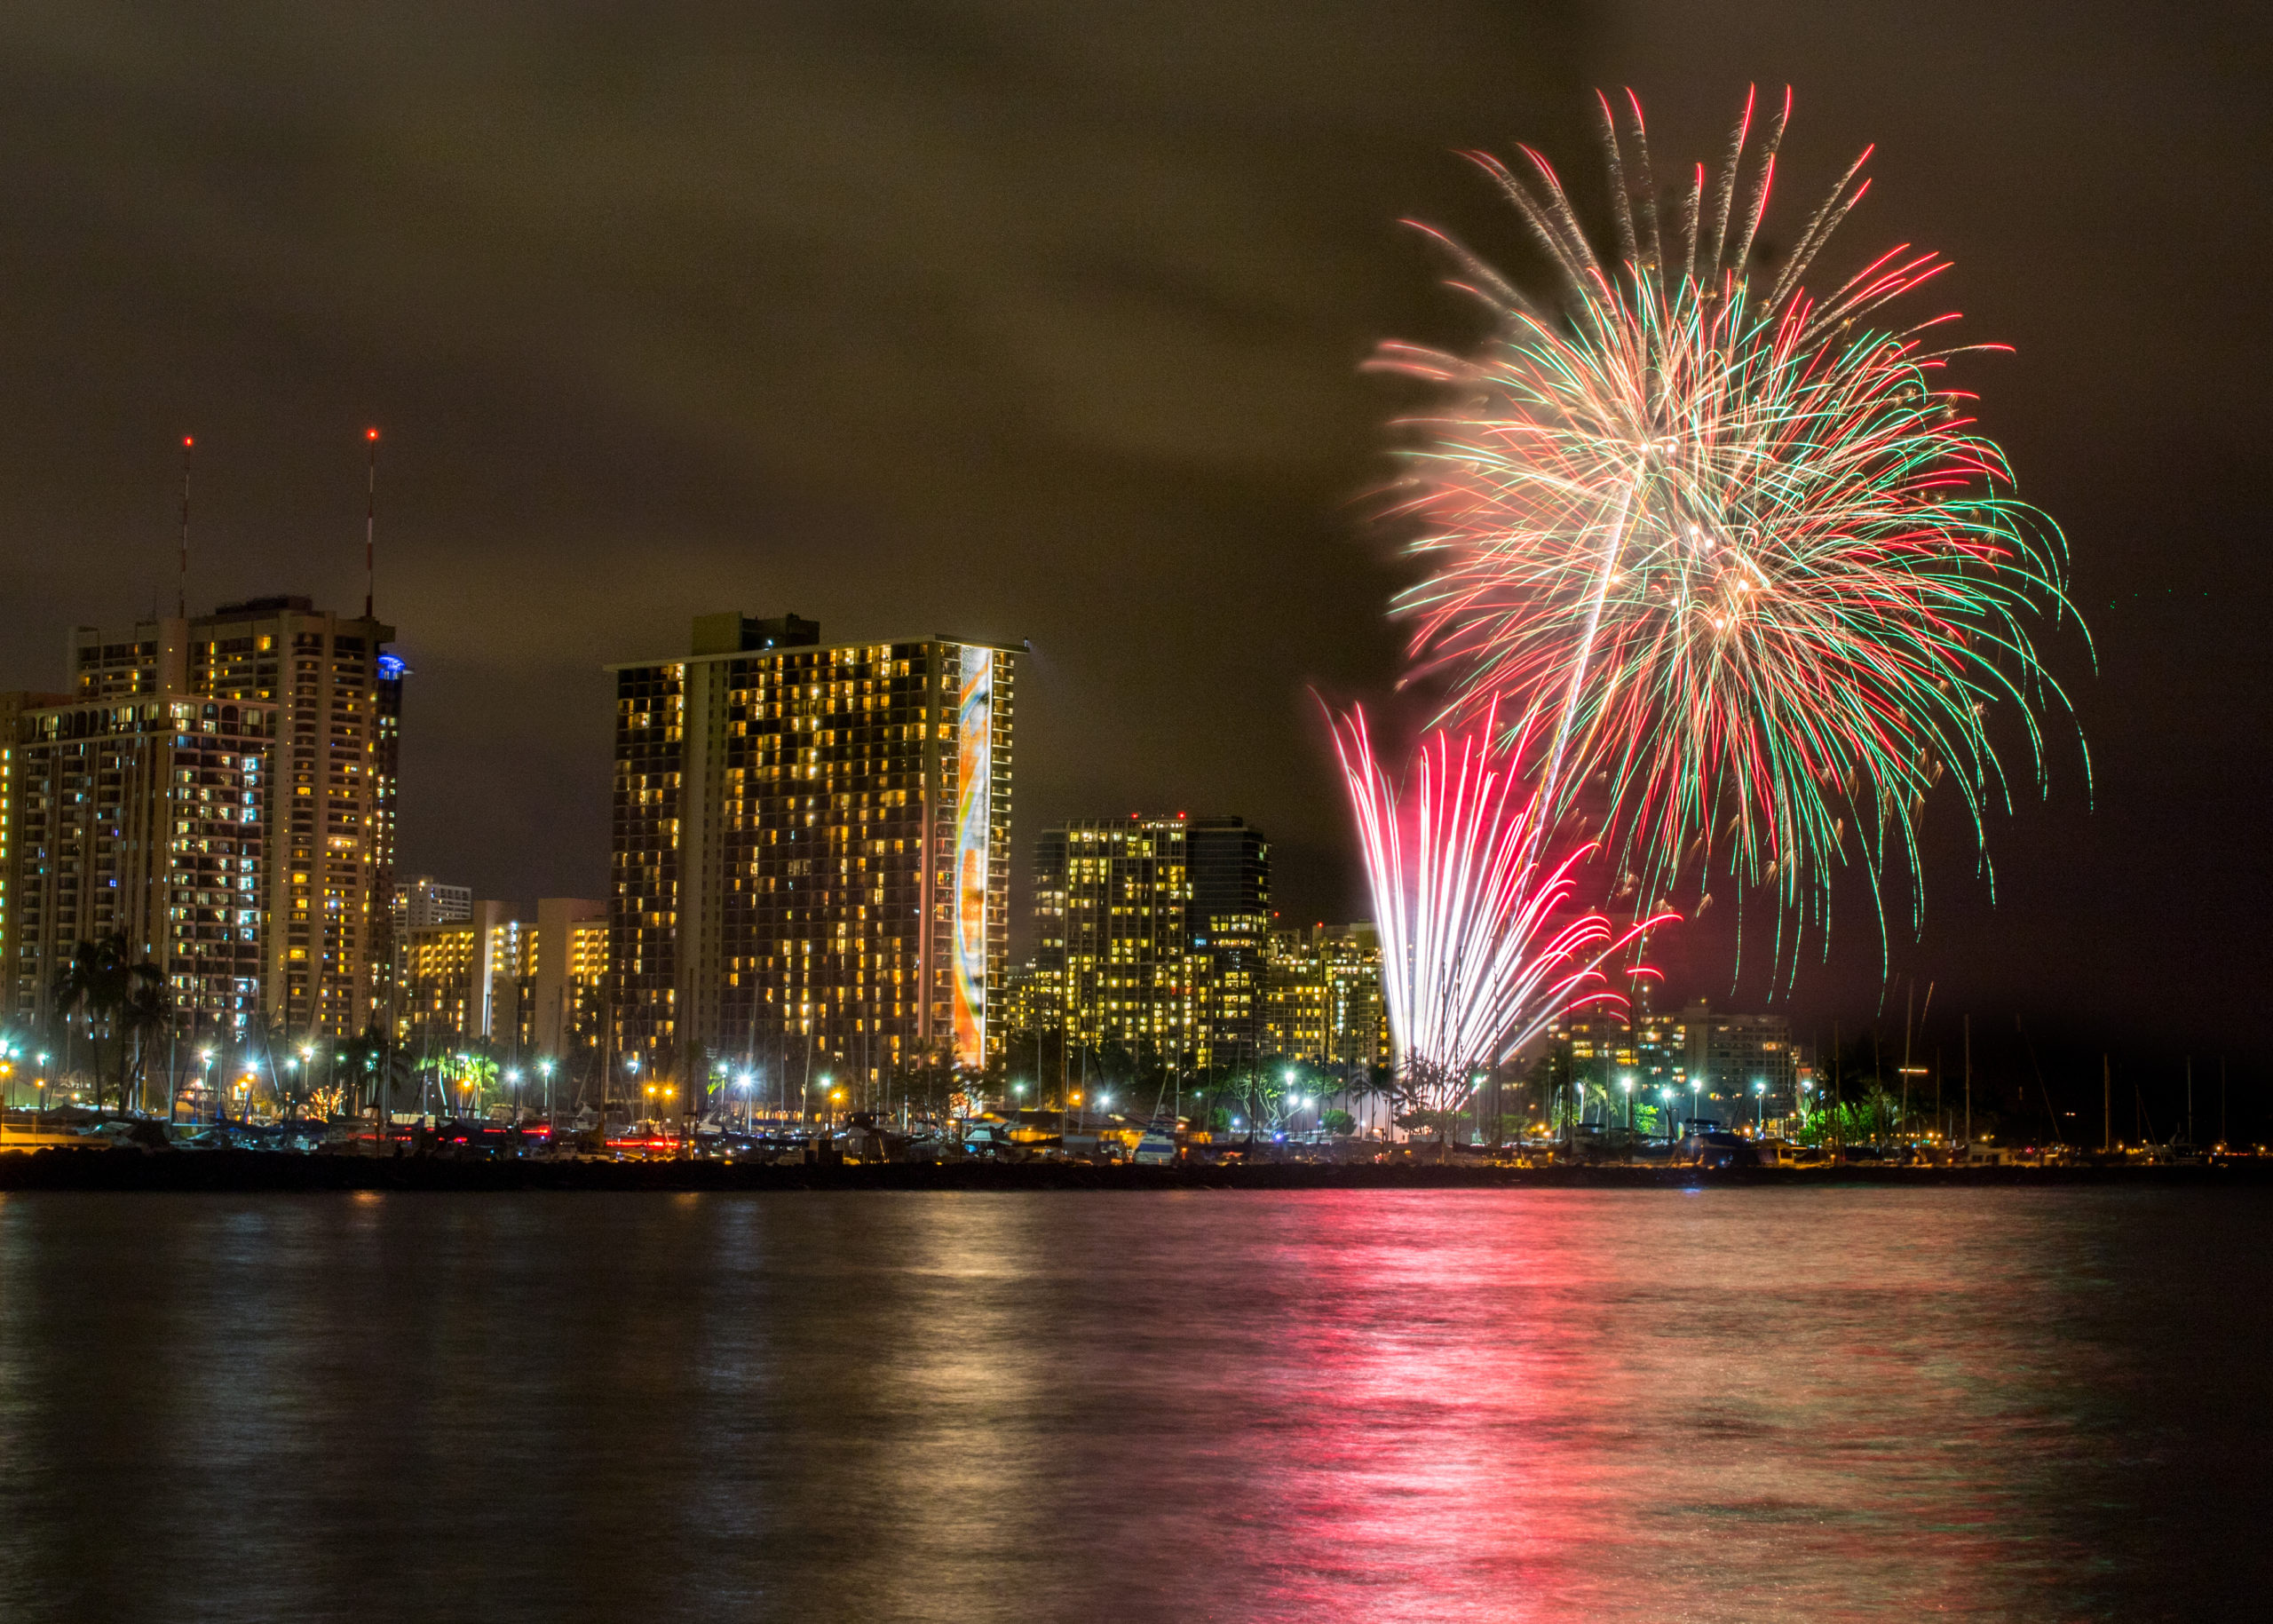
point(567, 977)
point(1324, 1003)
point(1230, 863)
point(811, 849)
point(1020, 1013)
point(1151, 935)
point(466, 981)
point(1357, 1015)
point(1710, 1059)
point(1727, 1054)
point(142, 816)
point(1296, 996)
point(12, 706)
point(324, 881)
point(425, 901)
point(1112, 905)
point(495, 980)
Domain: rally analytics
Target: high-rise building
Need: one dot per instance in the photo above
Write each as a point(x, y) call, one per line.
point(811, 852)
point(425, 901)
point(326, 885)
point(1323, 1002)
point(1152, 933)
point(466, 981)
point(1297, 1007)
point(142, 817)
point(569, 973)
point(1704, 1058)
point(491, 978)
point(1357, 1025)
point(12, 706)
point(1729, 1054)
point(1230, 934)
point(1112, 907)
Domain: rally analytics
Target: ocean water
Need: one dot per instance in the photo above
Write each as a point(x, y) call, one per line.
point(1741, 1404)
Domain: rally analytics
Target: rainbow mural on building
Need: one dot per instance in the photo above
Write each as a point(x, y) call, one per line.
point(974, 808)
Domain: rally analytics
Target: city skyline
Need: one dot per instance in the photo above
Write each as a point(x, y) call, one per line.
point(1213, 478)
point(958, 809)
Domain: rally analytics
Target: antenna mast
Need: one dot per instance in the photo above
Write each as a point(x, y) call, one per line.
point(181, 577)
point(370, 518)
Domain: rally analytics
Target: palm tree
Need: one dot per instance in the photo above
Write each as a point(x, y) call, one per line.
point(149, 1012)
point(102, 976)
point(366, 1060)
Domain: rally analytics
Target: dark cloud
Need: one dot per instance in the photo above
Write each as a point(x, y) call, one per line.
point(1042, 320)
point(1027, 321)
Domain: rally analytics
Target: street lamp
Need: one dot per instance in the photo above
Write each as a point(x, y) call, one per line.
point(544, 1069)
point(1665, 1099)
point(1759, 1107)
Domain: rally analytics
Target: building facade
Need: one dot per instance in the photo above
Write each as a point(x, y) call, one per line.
point(326, 891)
point(568, 978)
point(1230, 935)
point(424, 901)
point(524, 988)
point(1113, 909)
point(142, 817)
point(1323, 1002)
point(811, 849)
point(1696, 1061)
point(1151, 934)
point(1729, 1055)
point(468, 981)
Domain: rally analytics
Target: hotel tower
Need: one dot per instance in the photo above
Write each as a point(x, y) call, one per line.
point(811, 852)
point(256, 824)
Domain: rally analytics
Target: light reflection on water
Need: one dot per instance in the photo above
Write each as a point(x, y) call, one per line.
point(1740, 1405)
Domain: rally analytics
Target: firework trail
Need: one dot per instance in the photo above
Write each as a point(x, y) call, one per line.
point(1474, 962)
point(1730, 548)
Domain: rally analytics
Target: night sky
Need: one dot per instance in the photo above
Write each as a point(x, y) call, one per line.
point(1043, 321)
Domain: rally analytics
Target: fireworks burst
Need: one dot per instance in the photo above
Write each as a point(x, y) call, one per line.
point(1474, 963)
point(1729, 549)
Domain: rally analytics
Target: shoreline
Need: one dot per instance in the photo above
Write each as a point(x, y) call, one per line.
point(261, 1172)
